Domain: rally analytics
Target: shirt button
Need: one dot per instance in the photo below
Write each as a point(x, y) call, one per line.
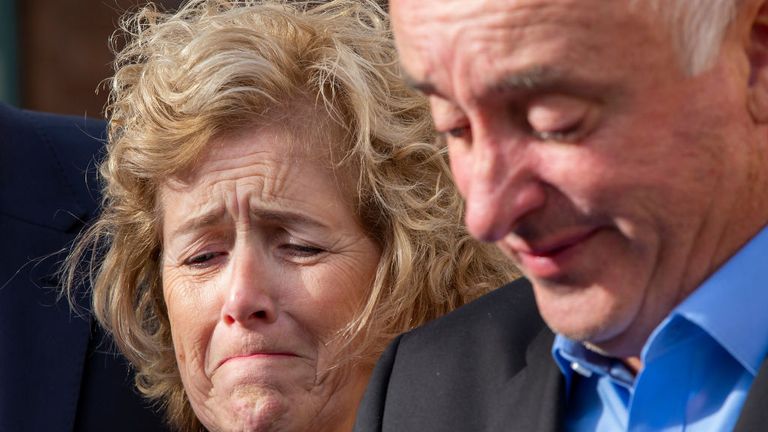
point(579, 369)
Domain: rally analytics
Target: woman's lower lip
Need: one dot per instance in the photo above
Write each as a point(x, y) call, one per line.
point(254, 356)
point(554, 265)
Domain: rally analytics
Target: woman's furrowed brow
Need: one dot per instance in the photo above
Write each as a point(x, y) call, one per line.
point(206, 218)
point(287, 217)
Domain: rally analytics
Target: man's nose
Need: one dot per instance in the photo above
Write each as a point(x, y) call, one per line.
point(250, 297)
point(500, 184)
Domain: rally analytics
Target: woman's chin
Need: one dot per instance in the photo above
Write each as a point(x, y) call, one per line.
point(284, 396)
point(249, 408)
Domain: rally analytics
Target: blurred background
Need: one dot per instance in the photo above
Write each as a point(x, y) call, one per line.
point(55, 55)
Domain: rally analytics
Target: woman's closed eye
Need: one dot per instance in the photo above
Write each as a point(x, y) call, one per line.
point(203, 260)
point(300, 250)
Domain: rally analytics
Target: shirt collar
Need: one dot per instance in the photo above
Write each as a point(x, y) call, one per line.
point(729, 306)
point(572, 356)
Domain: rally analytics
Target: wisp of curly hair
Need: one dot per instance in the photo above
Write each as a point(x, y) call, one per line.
point(216, 67)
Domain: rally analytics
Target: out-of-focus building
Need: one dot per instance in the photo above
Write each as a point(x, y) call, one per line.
point(55, 55)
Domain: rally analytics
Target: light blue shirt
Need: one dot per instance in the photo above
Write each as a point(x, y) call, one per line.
point(698, 364)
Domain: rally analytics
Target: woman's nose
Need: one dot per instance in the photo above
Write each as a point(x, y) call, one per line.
point(250, 297)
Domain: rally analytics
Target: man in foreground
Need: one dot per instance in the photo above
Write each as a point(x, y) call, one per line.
point(617, 152)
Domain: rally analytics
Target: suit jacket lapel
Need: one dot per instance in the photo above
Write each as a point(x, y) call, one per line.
point(43, 345)
point(534, 399)
point(754, 415)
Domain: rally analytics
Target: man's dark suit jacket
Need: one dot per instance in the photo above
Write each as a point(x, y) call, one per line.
point(486, 367)
point(57, 372)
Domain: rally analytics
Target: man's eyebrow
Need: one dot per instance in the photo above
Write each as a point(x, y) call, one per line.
point(543, 79)
point(423, 87)
point(535, 79)
point(530, 79)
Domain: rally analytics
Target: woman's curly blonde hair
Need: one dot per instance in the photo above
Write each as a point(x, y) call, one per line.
point(216, 67)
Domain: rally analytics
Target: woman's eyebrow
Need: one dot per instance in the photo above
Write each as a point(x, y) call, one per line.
point(214, 215)
point(206, 218)
point(287, 217)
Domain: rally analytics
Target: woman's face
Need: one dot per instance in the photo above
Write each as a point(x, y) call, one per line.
point(263, 262)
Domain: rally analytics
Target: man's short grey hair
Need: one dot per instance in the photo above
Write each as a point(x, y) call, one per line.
point(698, 26)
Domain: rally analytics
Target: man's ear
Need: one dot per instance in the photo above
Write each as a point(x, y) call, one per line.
point(758, 66)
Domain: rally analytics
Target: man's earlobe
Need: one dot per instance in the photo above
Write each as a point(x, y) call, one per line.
point(758, 66)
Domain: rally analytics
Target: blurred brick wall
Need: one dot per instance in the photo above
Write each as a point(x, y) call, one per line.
point(64, 53)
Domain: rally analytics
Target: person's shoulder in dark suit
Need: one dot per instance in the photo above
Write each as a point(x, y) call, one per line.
point(475, 369)
point(58, 371)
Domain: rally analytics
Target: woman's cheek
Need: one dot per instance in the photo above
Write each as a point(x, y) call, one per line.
point(193, 317)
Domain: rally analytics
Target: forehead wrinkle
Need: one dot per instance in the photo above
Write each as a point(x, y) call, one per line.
point(218, 163)
point(523, 49)
point(483, 37)
point(274, 180)
point(228, 184)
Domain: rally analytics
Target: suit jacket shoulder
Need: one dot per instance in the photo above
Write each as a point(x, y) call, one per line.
point(484, 367)
point(47, 168)
point(753, 414)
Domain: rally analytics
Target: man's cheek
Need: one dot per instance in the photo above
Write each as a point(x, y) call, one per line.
point(461, 167)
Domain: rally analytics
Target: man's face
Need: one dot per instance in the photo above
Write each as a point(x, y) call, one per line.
point(614, 180)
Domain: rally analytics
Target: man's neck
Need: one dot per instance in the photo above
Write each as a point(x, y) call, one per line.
point(634, 364)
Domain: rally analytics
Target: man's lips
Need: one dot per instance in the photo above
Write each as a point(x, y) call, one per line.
point(549, 258)
point(557, 244)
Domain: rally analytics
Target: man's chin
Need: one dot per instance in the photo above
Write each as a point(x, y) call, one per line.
point(581, 313)
point(591, 334)
point(608, 338)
